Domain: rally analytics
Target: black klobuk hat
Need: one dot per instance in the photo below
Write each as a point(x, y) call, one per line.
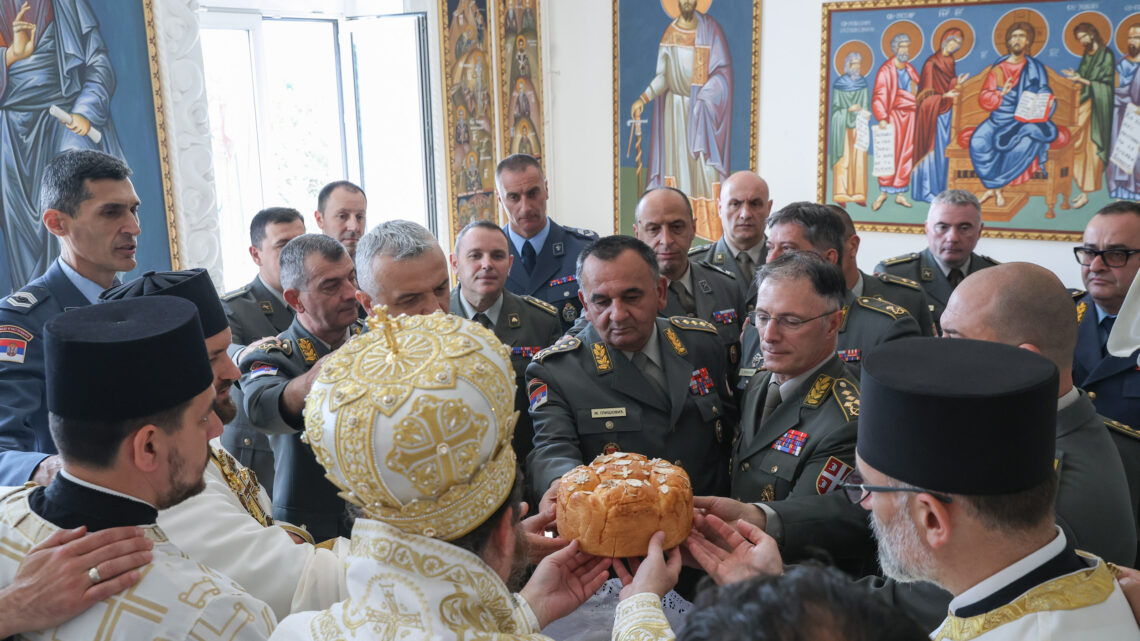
point(192, 284)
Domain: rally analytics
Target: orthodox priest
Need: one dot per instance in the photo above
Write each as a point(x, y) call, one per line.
point(131, 401)
point(413, 421)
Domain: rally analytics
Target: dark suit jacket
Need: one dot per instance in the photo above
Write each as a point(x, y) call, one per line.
point(1112, 381)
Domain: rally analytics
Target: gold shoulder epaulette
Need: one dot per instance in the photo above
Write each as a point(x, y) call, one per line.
point(541, 304)
point(846, 393)
point(818, 392)
point(882, 306)
point(1122, 428)
point(899, 280)
point(898, 260)
point(983, 256)
point(1076, 293)
point(685, 322)
point(235, 293)
point(718, 268)
point(567, 344)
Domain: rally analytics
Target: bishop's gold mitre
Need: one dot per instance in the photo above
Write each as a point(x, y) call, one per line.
point(413, 420)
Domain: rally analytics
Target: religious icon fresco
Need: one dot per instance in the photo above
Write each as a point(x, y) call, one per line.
point(520, 69)
point(687, 75)
point(1031, 107)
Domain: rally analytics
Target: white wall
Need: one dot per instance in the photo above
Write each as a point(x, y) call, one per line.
point(580, 126)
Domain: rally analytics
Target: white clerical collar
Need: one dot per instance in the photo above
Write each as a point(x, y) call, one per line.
point(89, 288)
point(789, 387)
point(858, 288)
point(652, 350)
point(1068, 398)
point(686, 279)
point(492, 312)
point(280, 296)
point(754, 253)
point(1010, 574)
point(99, 488)
point(946, 268)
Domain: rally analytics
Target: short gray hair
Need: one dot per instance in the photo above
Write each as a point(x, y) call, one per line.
point(397, 239)
point(897, 40)
point(956, 197)
point(298, 250)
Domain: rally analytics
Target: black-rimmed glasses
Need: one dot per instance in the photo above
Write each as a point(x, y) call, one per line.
point(1111, 257)
point(760, 320)
point(857, 491)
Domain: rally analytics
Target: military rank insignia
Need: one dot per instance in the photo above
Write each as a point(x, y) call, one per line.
point(307, 350)
point(725, 316)
point(1082, 308)
point(792, 442)
point(537, 393)
point(266, 306)
point(834, 473)
point(675, 342)
point(927, 274)
point(848, 355)
point(262, 369)
point(602, 358)
point(525, 351)
point(701, 383)
point(514, 321)
point(562, 281)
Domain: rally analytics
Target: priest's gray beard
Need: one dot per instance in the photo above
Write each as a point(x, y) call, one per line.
point(902, 555)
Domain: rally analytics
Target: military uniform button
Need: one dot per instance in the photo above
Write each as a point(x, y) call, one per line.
point(1092, 396)
point(247, 441)
point(566, 293)
point(715, 410)
point(744, 467)
point(609, 425)
point(775, 468)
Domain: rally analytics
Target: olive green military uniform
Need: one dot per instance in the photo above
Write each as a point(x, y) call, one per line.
point(588, 398)
point(867, 322)
point(922, 267)
point(302, 495)
point(526, 325)
point(718, 299)
point(720, 255)
point(903, 292)
point(253, 312)
point(1127, 441)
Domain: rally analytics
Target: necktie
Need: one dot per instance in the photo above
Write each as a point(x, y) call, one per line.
point(955, 276)
point(683, 297)
point(483, 320)
point(529, 257)
point(652, 371)
point(771, 400)
point(747, 265)
point(1107, 324)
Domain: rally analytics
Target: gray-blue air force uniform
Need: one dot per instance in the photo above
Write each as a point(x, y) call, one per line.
point(553, 277)
point(24, 436)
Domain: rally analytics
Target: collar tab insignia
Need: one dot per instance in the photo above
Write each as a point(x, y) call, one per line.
point(602, 360)
point(818, 391)
point(308, 351)
point(675, 342)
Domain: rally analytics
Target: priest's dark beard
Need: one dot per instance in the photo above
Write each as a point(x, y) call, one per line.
point(180, 490)
point(519, 561)
point(225, 409)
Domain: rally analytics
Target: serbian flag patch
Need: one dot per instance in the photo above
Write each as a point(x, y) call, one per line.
point(792, 442)
point(834, 472)
point(262, 369)
point(537, 394)
point(12, 350)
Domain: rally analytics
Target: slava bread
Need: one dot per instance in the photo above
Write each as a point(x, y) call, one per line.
point(614, 505)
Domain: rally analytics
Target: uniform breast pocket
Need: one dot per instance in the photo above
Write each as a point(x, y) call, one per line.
point(565, 291)
point(1131, 387)
point(710, 406)
point(609, 420)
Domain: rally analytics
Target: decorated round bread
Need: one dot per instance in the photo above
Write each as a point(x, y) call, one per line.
point(615, 504)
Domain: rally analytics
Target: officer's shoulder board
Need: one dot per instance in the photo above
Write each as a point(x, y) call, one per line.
point(585, 234)
point(567, 344)
point(990, 260)
point(899, 260)
point(695, 324)
point(846, 392)
point(699, 249)
point(882, 306)
point(1117, 426)
point(26, 299)
point(541, 304)
point(1076, 293)
point(237, 293)
point(718, 269)
point(898, 280)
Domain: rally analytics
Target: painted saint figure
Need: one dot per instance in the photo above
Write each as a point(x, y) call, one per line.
point(1007, 150)
point(1092, 135)
point(849, 97)
point(937, 88)
point(691, 92)
point(1126, 184)
point(53, 55)
point(893, 105)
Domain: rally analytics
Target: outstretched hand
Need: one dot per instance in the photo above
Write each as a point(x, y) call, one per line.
point(656, 573)
point(536, 527)
point(563, 581)
point(730, 554)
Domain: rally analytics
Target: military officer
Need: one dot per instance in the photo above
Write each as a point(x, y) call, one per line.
point(342, 210)
point(320, 285)
point(90, 205)
point(525, 324)
point(743, 206)
point(903, 292)
point(866, 321)
point(953, 227)
point(630, 381)
point(256, 311)
point(698, 290)
point(544, 251)
point(401, 266)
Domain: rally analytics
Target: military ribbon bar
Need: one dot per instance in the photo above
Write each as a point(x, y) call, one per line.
point(562, 281)
point(792, 442)
point(525, 351)
point(701, 382)
point(725, 316)
point(849, 355)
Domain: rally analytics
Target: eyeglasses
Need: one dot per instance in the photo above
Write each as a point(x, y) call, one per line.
point(791, 323)
point(857, 491)
point(1111, 257)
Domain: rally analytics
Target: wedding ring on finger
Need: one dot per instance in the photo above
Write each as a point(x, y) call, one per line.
point(93, 574)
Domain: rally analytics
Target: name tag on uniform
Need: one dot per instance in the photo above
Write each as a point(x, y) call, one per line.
point(607, 412)
point(747, 371)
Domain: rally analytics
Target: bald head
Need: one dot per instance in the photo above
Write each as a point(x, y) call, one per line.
point(744, 206)
point(665, 223)
point(1019, 304)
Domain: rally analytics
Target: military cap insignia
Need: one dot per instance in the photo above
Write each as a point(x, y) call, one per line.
point(675, 342)
point(266, 306)
point(847, 394)
point(792, 442)
point(725, 316)
point(684, 322)
point(768, 493)
point(832, 476)
point(565, 345)
point(513, 320)
point(927, 274)
point(541, 304)
point(898, 260)
point(1082, 308)
point(848, 355)
point(1122, 428)
point(235, 293)
point(881, 306)
point(899, 280)
point(818, 391)
point(569, 312)
point(602, 360)
point(308, 352)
